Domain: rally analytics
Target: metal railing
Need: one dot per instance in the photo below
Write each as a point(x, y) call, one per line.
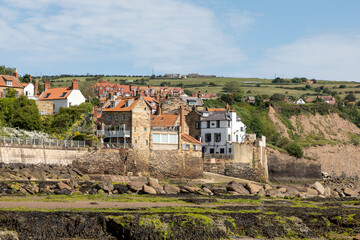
point(116, 145)
point(120, 133)
point(166, 129)
point(42, 142)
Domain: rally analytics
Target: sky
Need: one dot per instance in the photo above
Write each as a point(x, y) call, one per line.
point(231, 38)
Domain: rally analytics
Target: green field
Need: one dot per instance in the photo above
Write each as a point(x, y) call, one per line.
point(248, 85)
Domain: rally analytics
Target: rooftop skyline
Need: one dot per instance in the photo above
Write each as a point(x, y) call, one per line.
point(314, 39)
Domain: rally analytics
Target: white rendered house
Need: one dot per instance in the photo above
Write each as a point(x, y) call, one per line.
point(29, 89)
point(220, 130)
point(63, 97)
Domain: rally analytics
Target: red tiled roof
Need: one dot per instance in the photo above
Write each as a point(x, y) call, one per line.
point(25, 84)
point(189, 138)
point(15, 82)
point(55, 93)
point(216, 109)
point(163, 120)
point(120, 107)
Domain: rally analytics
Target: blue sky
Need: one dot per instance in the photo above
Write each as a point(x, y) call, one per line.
point(315, 39)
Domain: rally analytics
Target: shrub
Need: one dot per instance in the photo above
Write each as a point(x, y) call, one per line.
point(294, 150)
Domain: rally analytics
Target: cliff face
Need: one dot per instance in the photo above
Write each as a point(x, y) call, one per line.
point(329, 140)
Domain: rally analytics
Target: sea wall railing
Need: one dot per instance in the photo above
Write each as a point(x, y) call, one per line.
point(42, 142)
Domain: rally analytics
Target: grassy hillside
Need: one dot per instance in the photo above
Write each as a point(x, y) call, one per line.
point(249, 86)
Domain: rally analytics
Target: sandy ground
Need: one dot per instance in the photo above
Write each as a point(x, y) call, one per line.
point(91, 204)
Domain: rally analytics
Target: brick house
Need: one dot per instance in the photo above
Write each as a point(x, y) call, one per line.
point(63, 96)
point(13, 82)
point(328, 99)
point(105, 88)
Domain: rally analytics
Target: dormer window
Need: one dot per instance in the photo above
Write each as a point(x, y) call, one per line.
point(9, 83)
point(112, 105)
point(127, 104)
point(47, 95)
point(63, 94)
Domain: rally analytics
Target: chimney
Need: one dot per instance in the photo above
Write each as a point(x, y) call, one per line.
point(30, 79)
point(15, 73)
point(159, 110)
point(101, 81)
point(75, 84)
point(36, 88)
point(46, 85)
point(182, 119)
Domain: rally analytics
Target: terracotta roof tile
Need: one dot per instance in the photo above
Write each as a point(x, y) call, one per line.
point(189, 138)
point(55, 93)
point(15, 82)
point(163, 120)
point(216, 109)
point(120, 107)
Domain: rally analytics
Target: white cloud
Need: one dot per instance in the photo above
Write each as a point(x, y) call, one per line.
point(328, 57)
point(169, 35)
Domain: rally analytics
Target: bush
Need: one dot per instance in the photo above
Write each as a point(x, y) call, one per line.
point(294, 150)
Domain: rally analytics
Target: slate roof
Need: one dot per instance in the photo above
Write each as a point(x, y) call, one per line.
point(217, 116)
point(186, 99)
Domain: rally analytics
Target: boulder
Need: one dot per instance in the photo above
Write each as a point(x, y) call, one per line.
point(267, 186)
point(62, 185)
point(155, 184)
point(135, 186)
point(171, 189)
point(237, 187)
point(149, 190)
point(106, 186)
point(291, 192)
point(120, 188)
point(282, 189)
point(349, 192)
point(319, 188)
point(253, 188)
point(234, 193)
point(64, 191)
point(310, 192)
point(273, 193)
point(191, 189)
point(261, 192)
point(327, 191)
point(205, 189)
point(8, 235)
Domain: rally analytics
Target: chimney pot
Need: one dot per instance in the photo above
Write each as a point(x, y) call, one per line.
point(75, 84)
point(46, 85)
point(15, 73)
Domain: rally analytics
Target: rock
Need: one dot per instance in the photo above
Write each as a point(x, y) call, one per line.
point(310, 192)
point(282, 189)
point(267, 186)
point(86, 178)
point(135, 186)
point(205, 189)
point(8, 235)
point(291, 192)
point(191, 189)
point(334, 193)
point(261, 192)
point(234, 193)
point(149, 190)
point(357, 237)
point(302, 189)
point(349, 192)
point(121, 188)
point(273, 193)
point(62, 185)
point(23, 191)
point(319, 187)
point(106, 186)
point(237, 187)
point(155, 184)
point(253, 188)
point(327, 191)
point(73, 184)
point(171, 189)
point(64, 191)
point(339, 191)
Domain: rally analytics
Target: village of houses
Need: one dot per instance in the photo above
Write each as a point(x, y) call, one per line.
point(146, 116)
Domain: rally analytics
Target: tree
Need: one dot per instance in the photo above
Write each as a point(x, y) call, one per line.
point(95, 102)
point(350, 97)
point(277, 97)
point(307, 86)
point(152, 76)
point(188, 92)
point(294, 150)
point(232, 87)
point(228, 99)
point(11, 93)
point(212, 84)
point(26, 114)
point(25, 78)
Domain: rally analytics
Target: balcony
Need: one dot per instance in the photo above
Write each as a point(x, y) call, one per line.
point(117, 133)
point(166, 129)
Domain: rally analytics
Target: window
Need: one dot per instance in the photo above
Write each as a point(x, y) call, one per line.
point(211, 150)
point(165, 138)
point(107, 88)
point(217, 137)
point(197, 125)
point(229, 137)
point(185, 147)
point(123, 117)
point(173, 138)
point(116, 117)
point(229, 150)
point(218, 123)
point(63, 94)
point(242, 129)
point(156, 138)
point(9, 83)
point(222, 150)
point(100, 88)
point(208, 124)
point(108, 118)
point(237, 138)
point(144, 129)
point(208, 137)
point(47, 95)
point(229, 123)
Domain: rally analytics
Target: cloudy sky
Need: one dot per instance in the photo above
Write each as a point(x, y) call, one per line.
point(240, 38)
